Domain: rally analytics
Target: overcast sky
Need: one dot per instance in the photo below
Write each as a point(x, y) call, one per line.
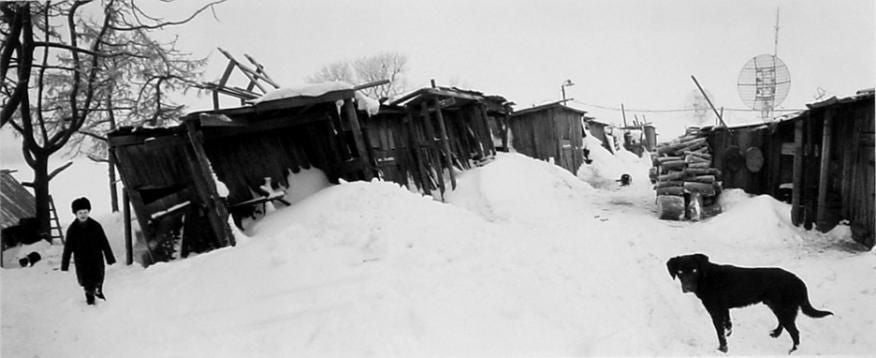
point(640, 52)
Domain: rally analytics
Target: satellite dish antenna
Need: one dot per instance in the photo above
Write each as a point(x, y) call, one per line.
point(764, 81)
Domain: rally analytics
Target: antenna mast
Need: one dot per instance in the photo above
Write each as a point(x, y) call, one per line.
point(776, 44)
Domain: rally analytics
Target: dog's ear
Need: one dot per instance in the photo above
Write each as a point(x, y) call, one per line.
point(672, 266)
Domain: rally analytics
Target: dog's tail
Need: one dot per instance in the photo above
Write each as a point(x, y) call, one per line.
point(810, 311)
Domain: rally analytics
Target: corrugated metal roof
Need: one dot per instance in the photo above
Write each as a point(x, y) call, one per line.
point(16, 202)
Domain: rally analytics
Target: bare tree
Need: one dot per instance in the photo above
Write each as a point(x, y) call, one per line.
point(62, 78)
point(390, 66)
point(136, 92)
point(338, 71)
point(385, 66)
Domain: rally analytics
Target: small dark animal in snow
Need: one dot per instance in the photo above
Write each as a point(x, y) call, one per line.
point(625, 180)
point(29, 260)
point(721, 287)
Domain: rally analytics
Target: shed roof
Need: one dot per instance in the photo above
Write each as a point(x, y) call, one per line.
point(457, 95)
point(278, 104)
point(547, 106)
point(17, 201)
point(861, 95)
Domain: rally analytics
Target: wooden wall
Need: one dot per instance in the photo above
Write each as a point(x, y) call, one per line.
point(420, 143)
point(824, 184)
point(549, 133)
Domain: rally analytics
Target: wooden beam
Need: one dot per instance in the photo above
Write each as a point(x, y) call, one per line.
point(414, 143)
point(445, 142)
point(797, 190)
point(129, 237)
point(363, 150)
point(708, 100)
point(824, 173)
point(217, 213)
point(430, 143)
point(487, 134)
point(225, 75)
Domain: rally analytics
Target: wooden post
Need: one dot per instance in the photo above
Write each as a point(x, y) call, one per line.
point(708, 100)
point(129, 237)
point(430, 139)
point(417, 149)
point(624, 114)
point(445, 142)
point(488, 135)
point(353, 121)
point(217, 213)
point(824, 173)
point(797, 190)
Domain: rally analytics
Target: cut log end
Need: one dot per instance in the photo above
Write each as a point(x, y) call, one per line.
point(670, 207)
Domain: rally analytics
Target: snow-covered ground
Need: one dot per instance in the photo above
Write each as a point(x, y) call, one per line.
point(523, 259)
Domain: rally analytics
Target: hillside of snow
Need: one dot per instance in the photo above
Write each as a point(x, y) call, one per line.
point(522, 259)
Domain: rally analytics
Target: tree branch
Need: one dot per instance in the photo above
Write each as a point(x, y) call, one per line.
point(168, 23)
point(93, 135)
point(59, 170)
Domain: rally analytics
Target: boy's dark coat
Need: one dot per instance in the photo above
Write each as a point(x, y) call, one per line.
point(88, 245)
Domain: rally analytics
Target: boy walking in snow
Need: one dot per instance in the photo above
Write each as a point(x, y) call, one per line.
point(87, 243)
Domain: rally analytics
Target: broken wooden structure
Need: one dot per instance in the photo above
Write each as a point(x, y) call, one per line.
point(185, 181)
point(430, 133)
point(258, 80)
point(551, 132)
point(820, 160)
point(601, 131)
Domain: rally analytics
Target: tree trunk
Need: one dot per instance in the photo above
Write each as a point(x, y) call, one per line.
point(40, 168)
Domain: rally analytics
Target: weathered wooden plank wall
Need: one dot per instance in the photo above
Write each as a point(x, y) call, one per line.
point(830, 183)
point(549, 134)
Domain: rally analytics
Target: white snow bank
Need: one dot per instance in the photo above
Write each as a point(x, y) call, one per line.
point(607, 168)
point(523, 260)
point(513, 182)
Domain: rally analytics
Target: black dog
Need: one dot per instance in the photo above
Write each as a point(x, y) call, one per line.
point(722, 287)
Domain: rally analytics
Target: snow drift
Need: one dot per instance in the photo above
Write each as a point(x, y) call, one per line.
point(523, 259)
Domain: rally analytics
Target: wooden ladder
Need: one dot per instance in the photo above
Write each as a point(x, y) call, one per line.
point(54, 222)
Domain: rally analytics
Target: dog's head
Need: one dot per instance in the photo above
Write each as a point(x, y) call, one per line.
point(689, 269)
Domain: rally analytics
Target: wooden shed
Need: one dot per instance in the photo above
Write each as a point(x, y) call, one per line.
point(435, 131)
point(183, 181)
point(601, 131)
point(17, 211)
point(820, 160)
point(551, 131)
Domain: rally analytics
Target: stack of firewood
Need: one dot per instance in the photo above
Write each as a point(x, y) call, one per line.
point(686, 183)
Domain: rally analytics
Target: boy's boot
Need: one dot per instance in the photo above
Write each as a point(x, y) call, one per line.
point(99, 292)
point(89, 297)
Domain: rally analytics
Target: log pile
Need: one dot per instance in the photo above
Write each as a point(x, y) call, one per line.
point(687, 186)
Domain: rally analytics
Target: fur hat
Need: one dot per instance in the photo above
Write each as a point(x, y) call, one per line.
point(80, 204)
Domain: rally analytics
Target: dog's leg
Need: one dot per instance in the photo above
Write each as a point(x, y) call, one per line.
point(718, 321)
point(778, 330)
point(728, 325)
point(786, 320)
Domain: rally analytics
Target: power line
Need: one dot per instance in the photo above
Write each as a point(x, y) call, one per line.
point(671, 110)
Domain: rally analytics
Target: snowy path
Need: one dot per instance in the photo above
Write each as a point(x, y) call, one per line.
point(524, 259)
